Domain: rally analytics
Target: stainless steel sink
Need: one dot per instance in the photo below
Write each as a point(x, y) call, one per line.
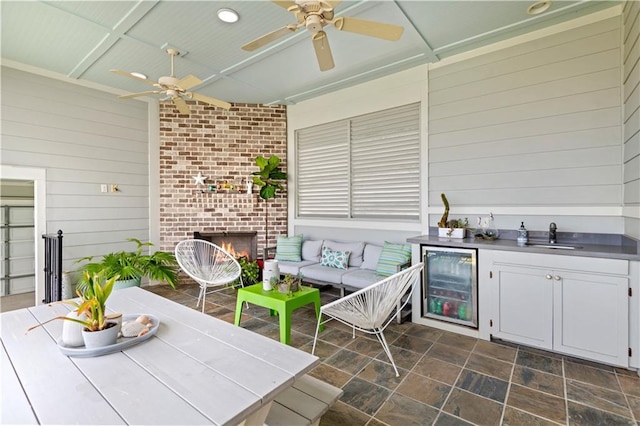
point(553, 246)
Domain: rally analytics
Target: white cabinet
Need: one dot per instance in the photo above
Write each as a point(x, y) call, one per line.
point(572, 305)
point(522, 306)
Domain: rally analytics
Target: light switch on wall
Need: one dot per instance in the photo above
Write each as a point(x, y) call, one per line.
point(103, 188)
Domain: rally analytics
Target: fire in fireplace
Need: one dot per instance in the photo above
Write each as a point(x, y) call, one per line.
point(238, 244)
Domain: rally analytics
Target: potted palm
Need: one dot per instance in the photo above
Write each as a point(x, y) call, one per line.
point(90, 312)
point(131, 266)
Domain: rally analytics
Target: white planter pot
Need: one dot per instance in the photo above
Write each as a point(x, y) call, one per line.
point(99, 339)
point(72, 331)
point(451, 233)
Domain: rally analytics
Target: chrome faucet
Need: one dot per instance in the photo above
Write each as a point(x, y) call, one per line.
point(552, 233)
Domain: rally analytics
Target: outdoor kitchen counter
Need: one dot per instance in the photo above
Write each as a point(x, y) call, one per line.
point(590, 245)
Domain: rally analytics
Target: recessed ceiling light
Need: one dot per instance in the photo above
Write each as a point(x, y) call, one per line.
point(228, 15)
point(539, 7)
point(139, 75)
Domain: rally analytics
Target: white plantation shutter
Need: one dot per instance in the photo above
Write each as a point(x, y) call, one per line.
point(323, 170)
point(366, 167)
point(385, 164)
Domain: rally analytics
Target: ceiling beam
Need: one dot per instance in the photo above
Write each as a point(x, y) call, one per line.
point(118, 32)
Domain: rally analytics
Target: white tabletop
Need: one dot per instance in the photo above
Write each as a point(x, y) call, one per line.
point(195, 370)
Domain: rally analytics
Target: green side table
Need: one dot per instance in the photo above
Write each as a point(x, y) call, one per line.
point(283, 304)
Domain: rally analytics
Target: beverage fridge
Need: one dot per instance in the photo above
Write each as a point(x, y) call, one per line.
point(450, 285)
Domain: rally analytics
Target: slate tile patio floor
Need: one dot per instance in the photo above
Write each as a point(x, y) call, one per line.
point(445, 378)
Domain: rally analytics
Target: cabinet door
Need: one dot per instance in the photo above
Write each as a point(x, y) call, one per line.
point(523, 306)
point(591, 317)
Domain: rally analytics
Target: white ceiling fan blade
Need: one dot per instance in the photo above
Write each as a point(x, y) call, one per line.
point(323, 51)
point(129, 75)
point(209, 100)
point(268, 38)
point(188, 82)
point(284, 3)
point(369, 28)
point(135, 95)
point(181, 105)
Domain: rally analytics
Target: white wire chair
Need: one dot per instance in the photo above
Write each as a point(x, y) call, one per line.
point(207, 264)
point(371, 309)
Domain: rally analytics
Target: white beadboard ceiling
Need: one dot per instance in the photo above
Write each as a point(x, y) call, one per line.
point(85, 39)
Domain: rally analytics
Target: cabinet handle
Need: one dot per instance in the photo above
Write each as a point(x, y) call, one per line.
point(557, 278)
point(548, 276)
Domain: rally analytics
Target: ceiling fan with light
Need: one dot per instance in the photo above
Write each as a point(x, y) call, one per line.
point(315, 15)
point(174, 88)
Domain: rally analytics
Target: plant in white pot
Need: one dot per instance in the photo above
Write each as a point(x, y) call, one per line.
point(131, 266)
point(91, 313)
point(454, 228)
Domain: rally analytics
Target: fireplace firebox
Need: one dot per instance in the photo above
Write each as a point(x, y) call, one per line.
point(238, 244)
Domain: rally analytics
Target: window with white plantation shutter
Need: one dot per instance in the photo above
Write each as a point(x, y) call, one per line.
point(367, 167)
point(323, 170)
point(385, 164)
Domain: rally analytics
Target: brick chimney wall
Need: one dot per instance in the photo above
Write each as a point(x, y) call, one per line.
point(222, 145)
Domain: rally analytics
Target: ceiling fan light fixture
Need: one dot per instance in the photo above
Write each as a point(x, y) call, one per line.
point(139, 75)
point(228, 15)
point(539, 7)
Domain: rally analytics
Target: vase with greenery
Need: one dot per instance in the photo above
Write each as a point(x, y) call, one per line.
point(91, 311)
point(268, 177)
point(132, 266)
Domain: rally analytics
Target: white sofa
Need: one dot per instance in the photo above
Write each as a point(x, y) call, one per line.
point(360, 273)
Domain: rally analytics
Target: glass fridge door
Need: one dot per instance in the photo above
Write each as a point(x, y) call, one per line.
point(450, 285)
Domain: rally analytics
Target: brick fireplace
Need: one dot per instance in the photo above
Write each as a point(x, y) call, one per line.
point(222, 146)
point(238, 244)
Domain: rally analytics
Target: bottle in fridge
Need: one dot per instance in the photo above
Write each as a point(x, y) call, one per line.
point(450, 285)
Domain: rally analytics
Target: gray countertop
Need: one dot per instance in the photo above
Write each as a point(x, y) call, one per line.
point(616, 247)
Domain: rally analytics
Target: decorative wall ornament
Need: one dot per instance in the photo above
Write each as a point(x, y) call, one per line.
point(199, 180)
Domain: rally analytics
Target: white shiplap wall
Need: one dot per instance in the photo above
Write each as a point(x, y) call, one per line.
point(82, 138)
point(533, 126)
point(631, 116)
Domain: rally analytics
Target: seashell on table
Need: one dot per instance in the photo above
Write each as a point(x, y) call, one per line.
point(134, 329)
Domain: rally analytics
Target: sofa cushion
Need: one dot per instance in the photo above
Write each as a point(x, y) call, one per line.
point(311, 250)
point(360, 278)
point(392, 255)
point(323, 273)
point(335, 258)
point(289, 248)
point(371, 256)
point(293, 267)
point(356, 249)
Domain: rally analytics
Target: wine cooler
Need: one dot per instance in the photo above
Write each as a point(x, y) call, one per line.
point(450, 285)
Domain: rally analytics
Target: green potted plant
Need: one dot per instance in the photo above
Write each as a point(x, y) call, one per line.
point(250, 272)
point(90, 311)
point(287, 284)
point(131, 266)
point(268, 178)
point(454, 228)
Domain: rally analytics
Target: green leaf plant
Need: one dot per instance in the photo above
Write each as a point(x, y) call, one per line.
point(268, 178)
point(92, 303)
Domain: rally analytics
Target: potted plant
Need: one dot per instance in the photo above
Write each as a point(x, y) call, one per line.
point(268, 178)
point(454, 228)
point(287, 284)
point(90, 312)
point(131, 266)
point(250, 272)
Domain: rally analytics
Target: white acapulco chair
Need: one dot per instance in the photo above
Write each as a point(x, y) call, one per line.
point(371, 309)
point(207, 264)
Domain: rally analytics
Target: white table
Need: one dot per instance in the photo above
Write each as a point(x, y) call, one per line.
point(195, 370)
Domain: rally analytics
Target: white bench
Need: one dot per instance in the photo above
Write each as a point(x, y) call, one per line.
point(304, 403)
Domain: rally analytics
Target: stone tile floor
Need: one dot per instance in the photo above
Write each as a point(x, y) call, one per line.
point(445, 378)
